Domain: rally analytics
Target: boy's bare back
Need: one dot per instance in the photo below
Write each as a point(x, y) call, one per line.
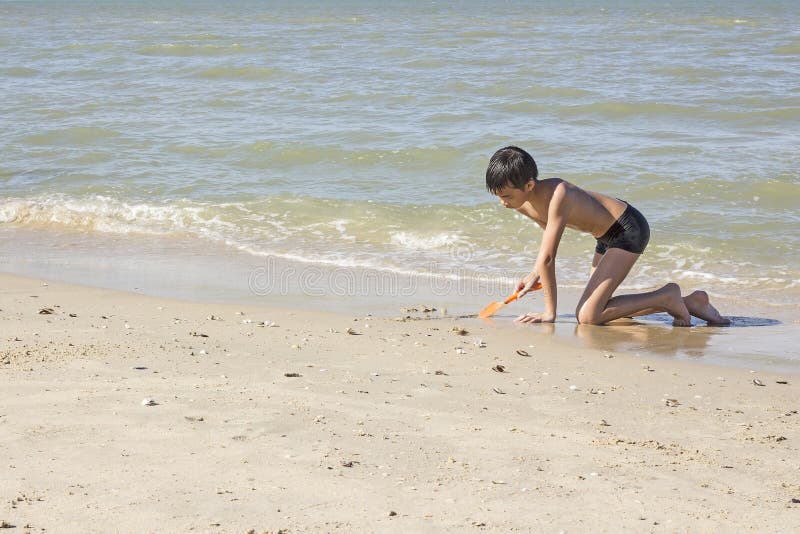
point(585, 211)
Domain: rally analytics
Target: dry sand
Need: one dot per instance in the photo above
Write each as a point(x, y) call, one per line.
point(326, 422)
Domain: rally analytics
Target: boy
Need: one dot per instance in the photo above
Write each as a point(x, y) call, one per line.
point(622, 234)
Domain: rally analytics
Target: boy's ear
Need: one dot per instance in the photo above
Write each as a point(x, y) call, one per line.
point(529, 185)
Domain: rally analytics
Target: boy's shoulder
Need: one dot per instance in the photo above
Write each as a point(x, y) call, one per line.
point(548, 186)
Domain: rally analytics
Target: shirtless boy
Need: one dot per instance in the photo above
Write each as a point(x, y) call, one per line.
point(622, 234)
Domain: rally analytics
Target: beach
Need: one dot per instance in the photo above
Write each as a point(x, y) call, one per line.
point(243, 247)
point(272, 420)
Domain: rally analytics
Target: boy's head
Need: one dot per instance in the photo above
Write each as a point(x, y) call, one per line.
point(510, 167)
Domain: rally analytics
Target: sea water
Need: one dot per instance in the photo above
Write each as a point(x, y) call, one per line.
point(257, 138)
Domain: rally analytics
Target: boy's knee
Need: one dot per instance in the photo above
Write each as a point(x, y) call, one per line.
point(585, 315)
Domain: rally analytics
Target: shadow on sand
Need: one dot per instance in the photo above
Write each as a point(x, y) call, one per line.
point(663, 318)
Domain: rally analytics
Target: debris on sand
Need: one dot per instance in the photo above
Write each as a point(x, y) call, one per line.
point(420, 308)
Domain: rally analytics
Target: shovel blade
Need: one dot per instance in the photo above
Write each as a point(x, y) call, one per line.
point(490, 310)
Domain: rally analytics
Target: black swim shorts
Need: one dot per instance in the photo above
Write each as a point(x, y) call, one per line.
point(630, 232)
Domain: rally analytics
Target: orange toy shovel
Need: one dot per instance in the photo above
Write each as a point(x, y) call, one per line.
point(494, 307)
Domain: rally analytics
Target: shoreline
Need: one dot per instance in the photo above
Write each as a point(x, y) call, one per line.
point(186, 268)
point(410, 425)
point(175, 269)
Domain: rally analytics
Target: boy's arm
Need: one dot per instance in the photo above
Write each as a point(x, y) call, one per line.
point(557, 213)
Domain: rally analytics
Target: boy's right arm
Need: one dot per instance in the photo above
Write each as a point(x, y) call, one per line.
point(545, 262)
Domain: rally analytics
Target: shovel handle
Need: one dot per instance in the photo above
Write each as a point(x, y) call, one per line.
point(515, 296)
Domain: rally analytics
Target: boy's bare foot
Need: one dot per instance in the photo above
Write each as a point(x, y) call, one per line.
point(698, 305)
point(673, 305)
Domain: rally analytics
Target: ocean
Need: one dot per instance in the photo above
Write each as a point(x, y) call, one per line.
point(217, 146)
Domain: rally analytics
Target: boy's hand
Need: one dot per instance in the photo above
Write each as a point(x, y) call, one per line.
point(535, 318)
point(526, 284)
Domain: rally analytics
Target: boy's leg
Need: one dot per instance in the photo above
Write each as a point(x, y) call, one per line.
point(595, 262)
point(699, 306)
point(597, 306)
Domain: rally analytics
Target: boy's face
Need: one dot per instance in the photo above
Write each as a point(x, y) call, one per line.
point(513, 198)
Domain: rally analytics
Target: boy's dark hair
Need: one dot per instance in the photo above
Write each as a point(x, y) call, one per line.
point(510, 166)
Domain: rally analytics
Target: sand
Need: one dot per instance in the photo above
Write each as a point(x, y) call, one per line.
point(327, 422)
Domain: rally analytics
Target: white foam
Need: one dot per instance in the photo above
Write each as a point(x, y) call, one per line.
point(100, 214)
point(415, 241)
